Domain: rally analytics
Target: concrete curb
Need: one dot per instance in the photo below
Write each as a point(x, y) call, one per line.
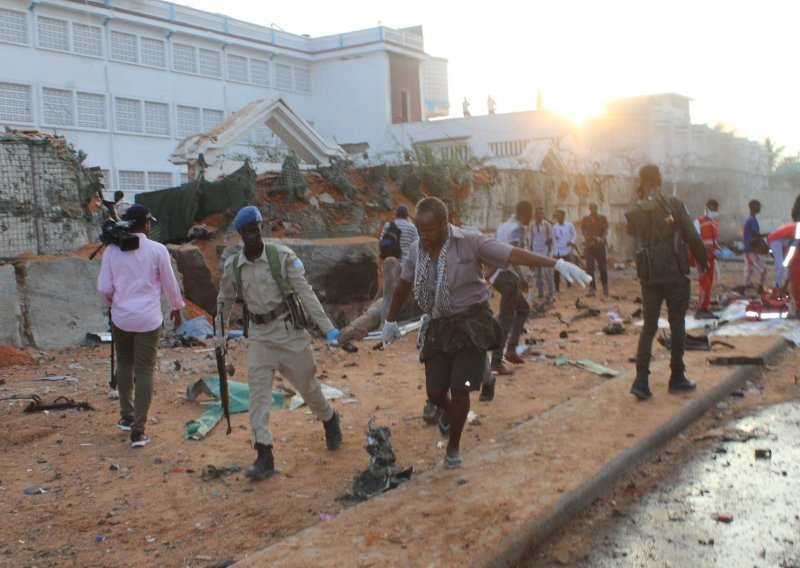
point(532, 534)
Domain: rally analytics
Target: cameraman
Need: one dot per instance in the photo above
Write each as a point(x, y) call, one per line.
point(130, 283)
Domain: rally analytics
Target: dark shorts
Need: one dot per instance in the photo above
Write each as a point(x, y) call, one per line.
point(462, 371)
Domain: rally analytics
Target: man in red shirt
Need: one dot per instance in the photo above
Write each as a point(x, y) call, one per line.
point(706, 225)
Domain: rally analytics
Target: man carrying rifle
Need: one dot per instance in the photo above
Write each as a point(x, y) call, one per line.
point(277, 340)
point(662, 229)
point(130, 284)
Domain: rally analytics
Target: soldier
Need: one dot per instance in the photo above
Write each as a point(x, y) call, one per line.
point(662, 228)
point(275, 340)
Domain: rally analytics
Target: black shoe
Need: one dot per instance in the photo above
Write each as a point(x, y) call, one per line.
point(125, 424)
point(487, 392)
point(264, 466)
point(333, 433)
point(431, 413)
point(641, 390)
point(705, 315)
point(139, 440)
point(681, 384)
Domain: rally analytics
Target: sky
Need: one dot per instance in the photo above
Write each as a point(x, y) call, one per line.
point(737, 59)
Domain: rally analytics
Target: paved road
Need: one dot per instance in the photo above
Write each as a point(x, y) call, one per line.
point(678, 525)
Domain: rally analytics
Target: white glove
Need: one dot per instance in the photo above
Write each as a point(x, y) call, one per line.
point(391, 332)
point(572, 274)
point(218, 342)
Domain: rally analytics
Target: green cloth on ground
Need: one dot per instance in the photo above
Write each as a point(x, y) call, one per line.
point(238, 395)
point(587, 365)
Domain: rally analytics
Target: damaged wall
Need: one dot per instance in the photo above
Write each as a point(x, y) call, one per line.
point(44, 191)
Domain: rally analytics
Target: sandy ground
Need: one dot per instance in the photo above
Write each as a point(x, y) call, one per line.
point(112, 505)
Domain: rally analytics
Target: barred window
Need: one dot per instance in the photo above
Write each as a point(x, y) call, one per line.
point(283, 77)
point(123, 47)
point(87, 40)
point(237, 68)
point(131, 181)
point(211, 117)
point(158, 180)
point(259, 72)
point(154, 52)
point(128, 115)
point(52, 33)
point(13, 26)
point(91, 110)
point(15, 103)
point(188, 120)
point(302, 79)
point(210, 63)
point(156, 118)
point(58, 107)
point(184, 58)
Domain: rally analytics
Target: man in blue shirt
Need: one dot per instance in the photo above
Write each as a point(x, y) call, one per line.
point(752, 259)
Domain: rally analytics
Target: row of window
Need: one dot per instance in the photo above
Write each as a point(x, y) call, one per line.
point(84, 39)
point(508, 148)
point(78, 109)
point(135, 181)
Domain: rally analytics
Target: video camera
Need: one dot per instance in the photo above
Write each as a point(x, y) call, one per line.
point(119, 233)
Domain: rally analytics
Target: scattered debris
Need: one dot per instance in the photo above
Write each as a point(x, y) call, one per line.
point(210, 472)
point(736, 361)
point(723, 517)
point(66, 378)
point(614, 328)
point(34, 490)
point(36, 404)
point(329, 392)
point(382, 473)
point(763, 454)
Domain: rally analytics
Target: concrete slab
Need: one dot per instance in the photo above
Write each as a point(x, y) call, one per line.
point(10, 311)
point(516, 489)
point(62, 299)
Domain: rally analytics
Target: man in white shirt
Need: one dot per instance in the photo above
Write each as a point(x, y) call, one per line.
point(512, 286)
point(564, 238)
point(541, 241)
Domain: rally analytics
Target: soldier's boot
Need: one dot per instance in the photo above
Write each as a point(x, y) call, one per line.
point(679, 383)
point(333, 432)
point(640, 388)
point(264, 466)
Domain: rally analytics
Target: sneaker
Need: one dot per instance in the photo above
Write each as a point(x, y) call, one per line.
point(125, 424)
point(139, 440)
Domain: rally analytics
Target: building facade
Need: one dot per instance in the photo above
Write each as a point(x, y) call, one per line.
point(126, 80)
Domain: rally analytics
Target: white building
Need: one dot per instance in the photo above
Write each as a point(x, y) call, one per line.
point(126, 80)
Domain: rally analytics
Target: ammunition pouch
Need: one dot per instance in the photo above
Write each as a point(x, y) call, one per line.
point(297, 314)
point(662, 261)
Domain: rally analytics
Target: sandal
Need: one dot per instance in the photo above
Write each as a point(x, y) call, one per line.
point(444, 429)
point(452, 462)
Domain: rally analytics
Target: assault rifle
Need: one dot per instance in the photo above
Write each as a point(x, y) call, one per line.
point(219, 353)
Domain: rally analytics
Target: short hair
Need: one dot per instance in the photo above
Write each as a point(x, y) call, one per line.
point(432, 205)
point(753, 204)
point(118, 195)
point(712, 203)
point(650, 173)
point(524, 208)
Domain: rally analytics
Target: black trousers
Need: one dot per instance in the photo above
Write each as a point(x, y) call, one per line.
point(514, 311)
point(676, 294)
point(597, 255)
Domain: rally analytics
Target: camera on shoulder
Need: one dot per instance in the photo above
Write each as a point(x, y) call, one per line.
point(118, 233)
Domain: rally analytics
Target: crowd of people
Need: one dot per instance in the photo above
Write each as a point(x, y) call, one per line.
point(446, 272)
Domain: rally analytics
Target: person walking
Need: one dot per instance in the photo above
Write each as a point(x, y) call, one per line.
point(276, 337)
point(564, 239)
point(511, 285)
point(444, 271)
point(753, 263)
point(594, 228)
point(662, 229)
point(130, 284)
point(706, 225)
point(541, 242)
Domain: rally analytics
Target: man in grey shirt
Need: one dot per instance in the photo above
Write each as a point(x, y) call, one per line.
point(445, 272)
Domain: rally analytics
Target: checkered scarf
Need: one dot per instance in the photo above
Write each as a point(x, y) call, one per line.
point(435, 302)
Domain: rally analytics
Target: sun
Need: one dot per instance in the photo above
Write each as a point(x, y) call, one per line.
point(577, 109)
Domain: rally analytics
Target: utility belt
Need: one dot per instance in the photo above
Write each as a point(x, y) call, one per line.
point(270, 316)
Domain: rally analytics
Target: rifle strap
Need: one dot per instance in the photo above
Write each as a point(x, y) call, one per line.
point(274, 268)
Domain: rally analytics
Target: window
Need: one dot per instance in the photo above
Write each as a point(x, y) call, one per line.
point(123, 47)
point(184, 58)
point(87, 40)
point(52, 34)
point(131, 181)
point(127, 116)
point(237, 68)
point(283, 77)
point(259, 72)
point(210, 63)
point(13, 27)
point(91, 110)
point(405, 106)
point(57, 107)
point(302, 80)
point(508, 148)
point(188, 121)
point(211, 118)
point(158, 180)
point(15, 103)
point(153, 52)
point(156, 118)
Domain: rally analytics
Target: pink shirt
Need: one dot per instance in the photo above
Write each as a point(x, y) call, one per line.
point(130, 284)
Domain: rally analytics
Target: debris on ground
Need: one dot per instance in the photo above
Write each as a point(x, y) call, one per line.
point(736, 361)
point(763, 454)
point(382, 473)
point(34, 490)
point(723, 517)
point(210, 472)
point(60, 403)
point(11, 356)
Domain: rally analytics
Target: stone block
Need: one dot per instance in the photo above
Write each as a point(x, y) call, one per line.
point(63, 302)
point(10, 311)
point(197, 283)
